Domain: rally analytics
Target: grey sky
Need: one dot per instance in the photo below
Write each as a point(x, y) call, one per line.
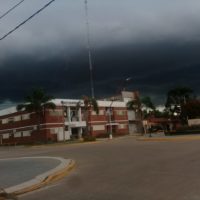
point(111, 21)
point(152, 37)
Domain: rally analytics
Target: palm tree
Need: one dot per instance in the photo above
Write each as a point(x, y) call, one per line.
point(138, 105)
point(147, 102)
point(90, 104)
point(37, 102)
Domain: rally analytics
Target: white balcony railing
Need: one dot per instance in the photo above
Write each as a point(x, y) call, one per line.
point(76, 123)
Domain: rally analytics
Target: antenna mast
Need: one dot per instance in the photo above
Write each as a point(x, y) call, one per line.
point(89, 50)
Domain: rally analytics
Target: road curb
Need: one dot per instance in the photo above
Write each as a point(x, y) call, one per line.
point(43, 179)
point(173, 139)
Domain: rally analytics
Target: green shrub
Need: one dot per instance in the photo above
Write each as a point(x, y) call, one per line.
point(188, 128)
point(89, 138)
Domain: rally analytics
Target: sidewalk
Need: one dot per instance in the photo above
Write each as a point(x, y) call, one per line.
point(21, 175)
point(162, 138)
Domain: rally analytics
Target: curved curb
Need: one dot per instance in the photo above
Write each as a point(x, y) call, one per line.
point(44, 179)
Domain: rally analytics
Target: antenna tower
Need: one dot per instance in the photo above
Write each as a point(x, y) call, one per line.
point(89, 50)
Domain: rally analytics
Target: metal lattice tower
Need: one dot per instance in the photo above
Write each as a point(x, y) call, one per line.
point(89, 49)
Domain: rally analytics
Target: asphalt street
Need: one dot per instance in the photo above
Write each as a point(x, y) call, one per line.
point(122, 169)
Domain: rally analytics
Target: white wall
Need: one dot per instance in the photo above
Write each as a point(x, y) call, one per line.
point(193, 122)
point(131, 115)
point(132, 128)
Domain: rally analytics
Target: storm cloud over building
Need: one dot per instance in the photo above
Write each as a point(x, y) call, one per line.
point(155, 42)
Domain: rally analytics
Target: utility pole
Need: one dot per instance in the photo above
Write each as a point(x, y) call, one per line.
point(89, 50)
point(109, 112)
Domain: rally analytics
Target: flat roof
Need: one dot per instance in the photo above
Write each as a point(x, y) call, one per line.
point(70, 102)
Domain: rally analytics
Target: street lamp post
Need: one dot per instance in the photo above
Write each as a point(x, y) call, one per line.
point(110, 120)
point(63, 115)
point(110, 123)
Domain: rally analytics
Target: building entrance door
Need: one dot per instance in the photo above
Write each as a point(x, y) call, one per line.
point(75, 133)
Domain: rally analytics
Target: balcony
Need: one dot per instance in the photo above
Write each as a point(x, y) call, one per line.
point(76, 123)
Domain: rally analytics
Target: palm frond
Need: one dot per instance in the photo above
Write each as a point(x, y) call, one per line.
point(94, 104)
point(20, 107)
point(49, 105)
point(37, 101)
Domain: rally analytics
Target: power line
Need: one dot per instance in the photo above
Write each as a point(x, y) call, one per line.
point(7, 12)
point(33, 15)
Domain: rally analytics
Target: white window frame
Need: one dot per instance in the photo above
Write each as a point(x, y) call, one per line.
point(26, 116)
point(56, 113)
point(122, 126)
point(17, 134)
point(26, 133)
point(6, 136)
point(4, 121)
point(17, 118)
point(98, 127)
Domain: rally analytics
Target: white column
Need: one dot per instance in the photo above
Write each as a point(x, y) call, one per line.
point(69, 114)
point(69, 120)
point(79, 114)
point(80, 131)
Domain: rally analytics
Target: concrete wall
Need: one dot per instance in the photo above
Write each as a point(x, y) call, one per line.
point(193, 122)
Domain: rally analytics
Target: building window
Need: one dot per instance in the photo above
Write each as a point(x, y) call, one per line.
point(25, 116)
point(54, 130)
point(94, 113)
point(121, 112)
point(74, 115)
point(17, 118)
point(101, 112)
point(98, 127)
point(56, 113)
point(17, 134)
point(26, 133)
point(122, 126)
point(6, 136)
point(4, 121)
point(10, 120)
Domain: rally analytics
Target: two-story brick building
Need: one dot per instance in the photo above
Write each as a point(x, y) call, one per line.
point(63, 123)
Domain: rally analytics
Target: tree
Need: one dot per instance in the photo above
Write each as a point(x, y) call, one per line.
point(37, 102)
point(192, 109)
point(134, 104)
point(148, 107)
point(147, 103)
point(141, 106)
point(176, 98)
point(161, 114)
point(90, 104)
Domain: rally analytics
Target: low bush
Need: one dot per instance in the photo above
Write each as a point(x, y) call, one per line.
point(89, 138)
point(188, 128)
point(185, 130)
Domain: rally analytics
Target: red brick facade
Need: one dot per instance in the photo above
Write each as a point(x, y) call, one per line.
point(22, 127)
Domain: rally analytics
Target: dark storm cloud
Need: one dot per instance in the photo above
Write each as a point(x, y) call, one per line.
point(154, 68)
point(157, 43)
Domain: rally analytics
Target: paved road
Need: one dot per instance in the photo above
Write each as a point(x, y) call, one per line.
point(16, 171)
point(123, 169)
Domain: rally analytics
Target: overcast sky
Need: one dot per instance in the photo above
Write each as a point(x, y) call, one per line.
point(156, 42)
